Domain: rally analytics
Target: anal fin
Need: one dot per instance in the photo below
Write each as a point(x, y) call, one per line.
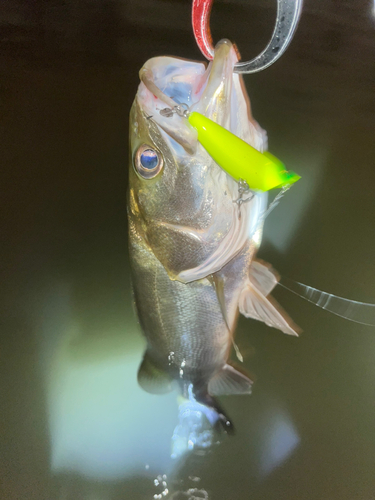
point(152, 378)
point(229, 381)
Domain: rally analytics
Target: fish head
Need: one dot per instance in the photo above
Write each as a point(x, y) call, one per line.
point(181, 202)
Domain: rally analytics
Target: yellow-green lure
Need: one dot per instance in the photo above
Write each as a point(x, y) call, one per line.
point(261, 171)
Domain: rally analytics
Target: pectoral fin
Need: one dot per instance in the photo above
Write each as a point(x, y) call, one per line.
point(153, 379)
point(254, 304)
point(229, 381)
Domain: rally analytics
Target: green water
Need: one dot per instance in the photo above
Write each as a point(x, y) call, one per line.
point(75, 425)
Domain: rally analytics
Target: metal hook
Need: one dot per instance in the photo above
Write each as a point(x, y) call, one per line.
point(288, 14)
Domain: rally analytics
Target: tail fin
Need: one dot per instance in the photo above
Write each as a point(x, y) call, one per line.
point(202, 424)
point(216, 414)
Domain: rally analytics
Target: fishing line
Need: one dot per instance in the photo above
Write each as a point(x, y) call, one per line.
point(353, 310)
point(274, 203)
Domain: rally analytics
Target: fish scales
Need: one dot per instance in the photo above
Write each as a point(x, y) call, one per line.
point(192, 248)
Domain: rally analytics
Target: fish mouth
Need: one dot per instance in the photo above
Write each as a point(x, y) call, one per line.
point(215, 101)
point(216, 92)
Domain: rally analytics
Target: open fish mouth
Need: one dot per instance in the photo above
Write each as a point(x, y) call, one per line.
point(217, 93)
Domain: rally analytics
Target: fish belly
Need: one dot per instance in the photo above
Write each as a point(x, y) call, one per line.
point(183, 323)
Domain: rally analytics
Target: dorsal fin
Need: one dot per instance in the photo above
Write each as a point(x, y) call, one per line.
point(152, 378)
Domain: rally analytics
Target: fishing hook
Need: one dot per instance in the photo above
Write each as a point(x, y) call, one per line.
point(288, 14)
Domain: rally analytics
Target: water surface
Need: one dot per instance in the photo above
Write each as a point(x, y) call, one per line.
point(75, 425)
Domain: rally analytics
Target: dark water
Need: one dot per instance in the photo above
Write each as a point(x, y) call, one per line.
point(74, 423)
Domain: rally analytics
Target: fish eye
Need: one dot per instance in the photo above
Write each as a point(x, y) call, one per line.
point(148, 162)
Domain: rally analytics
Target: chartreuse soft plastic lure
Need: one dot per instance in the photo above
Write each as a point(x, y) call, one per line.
point(261, 171)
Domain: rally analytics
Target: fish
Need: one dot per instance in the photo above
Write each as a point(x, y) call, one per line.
point(194, 232)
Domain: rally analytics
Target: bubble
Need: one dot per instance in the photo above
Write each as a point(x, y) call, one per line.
point(195, 479)
point(161, 482)
point(171, 357)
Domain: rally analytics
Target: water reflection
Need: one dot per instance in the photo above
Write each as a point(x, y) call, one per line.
point(301, 199)
point(102, 424)
point(105, 428)
point(279, 442)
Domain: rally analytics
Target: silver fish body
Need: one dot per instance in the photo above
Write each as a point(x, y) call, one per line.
point(192, 247)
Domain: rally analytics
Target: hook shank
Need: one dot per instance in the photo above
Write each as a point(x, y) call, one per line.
point(200, 17)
